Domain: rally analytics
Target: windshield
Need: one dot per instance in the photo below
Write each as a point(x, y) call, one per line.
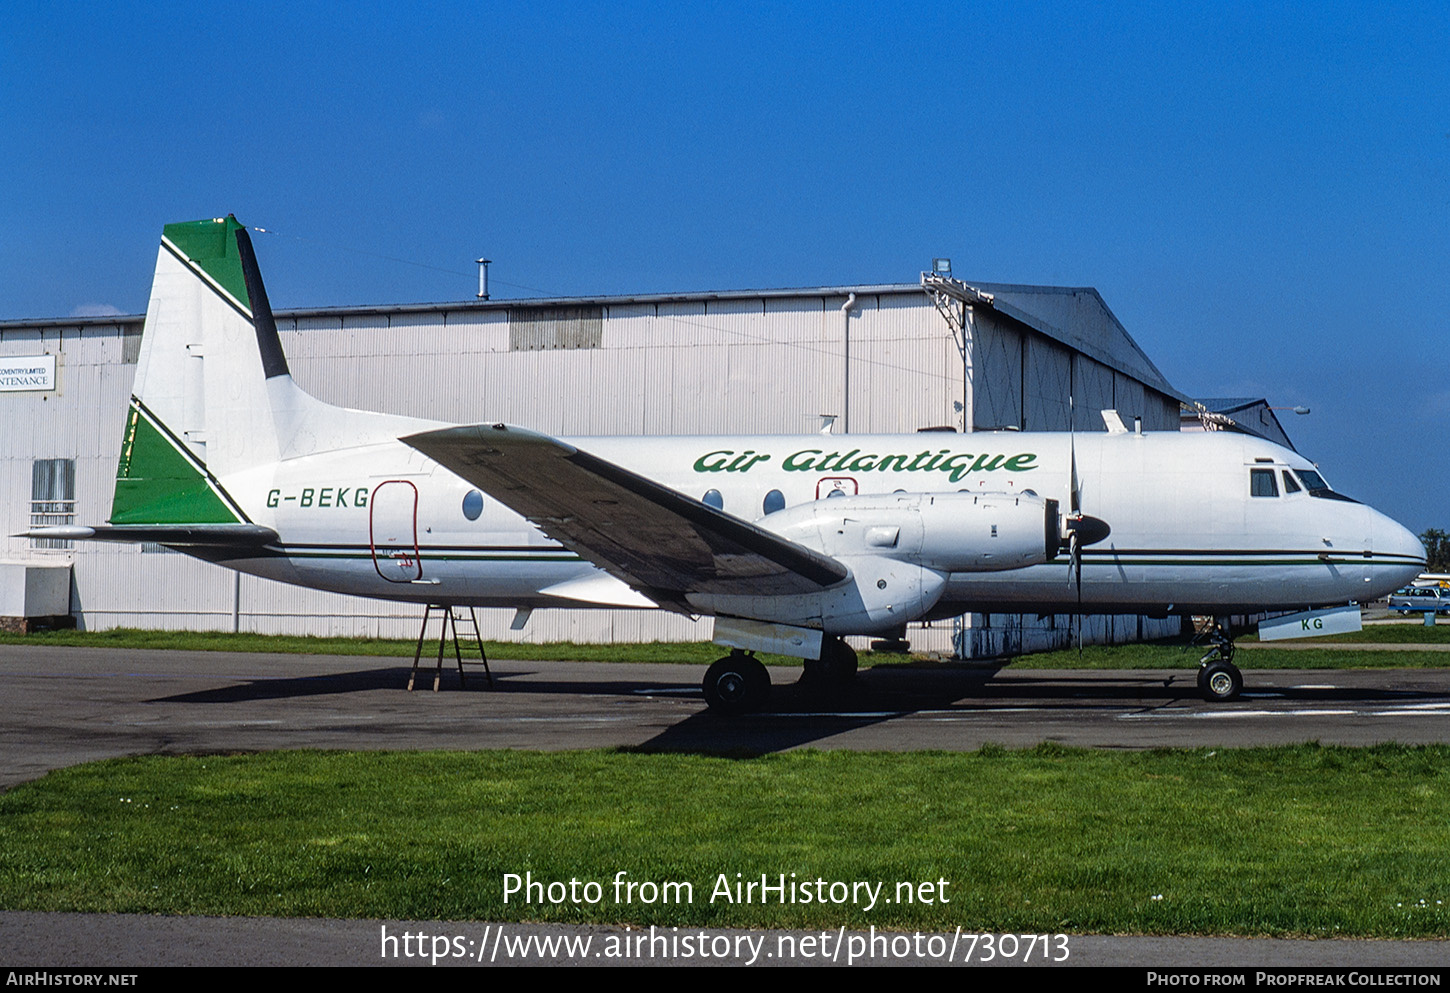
point(1317, 487)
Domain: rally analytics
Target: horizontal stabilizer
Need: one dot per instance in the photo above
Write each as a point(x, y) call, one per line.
point(659, 541)
point(198, 535)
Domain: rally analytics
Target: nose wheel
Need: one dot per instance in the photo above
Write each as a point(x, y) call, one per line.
point(1219, 679)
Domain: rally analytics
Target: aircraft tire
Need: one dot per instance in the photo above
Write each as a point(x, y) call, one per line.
point(1220, 681)
point(736, 684)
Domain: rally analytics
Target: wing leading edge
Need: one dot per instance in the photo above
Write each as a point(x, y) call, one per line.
point(659, 541)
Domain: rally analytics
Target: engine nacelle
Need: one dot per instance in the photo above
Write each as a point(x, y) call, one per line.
point(945, 532)
point(988, 532)
point(880, 595)
point(900, 548)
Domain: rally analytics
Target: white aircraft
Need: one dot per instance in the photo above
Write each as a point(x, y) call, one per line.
point(789, 542)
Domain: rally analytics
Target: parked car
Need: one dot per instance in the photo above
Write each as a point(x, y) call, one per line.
point(1416, 599)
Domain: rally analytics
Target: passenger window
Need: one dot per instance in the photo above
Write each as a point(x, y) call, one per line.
point(1262, 483)
point(472, 504)
point(774, 500)
point(714, 499)
point(1289, 485)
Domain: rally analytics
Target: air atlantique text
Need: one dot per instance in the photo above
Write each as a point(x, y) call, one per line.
point(781, 888)
point(818, 460)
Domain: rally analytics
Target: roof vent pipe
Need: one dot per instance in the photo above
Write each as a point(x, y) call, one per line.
point(483, 278)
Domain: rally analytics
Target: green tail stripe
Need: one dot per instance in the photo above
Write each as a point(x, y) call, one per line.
point(212, 246)
point(156, 484)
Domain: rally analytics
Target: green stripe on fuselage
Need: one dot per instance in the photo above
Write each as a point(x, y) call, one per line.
point(212, 246)
point(156, 484)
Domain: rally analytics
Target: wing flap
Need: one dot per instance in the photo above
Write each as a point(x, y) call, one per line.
point(659, 541)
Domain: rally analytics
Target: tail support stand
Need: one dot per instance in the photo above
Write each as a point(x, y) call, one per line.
point(451, 619)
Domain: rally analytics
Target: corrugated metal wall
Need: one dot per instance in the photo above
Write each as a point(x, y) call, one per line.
point(765, 364)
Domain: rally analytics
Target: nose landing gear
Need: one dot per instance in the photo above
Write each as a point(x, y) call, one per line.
point(1219, 679)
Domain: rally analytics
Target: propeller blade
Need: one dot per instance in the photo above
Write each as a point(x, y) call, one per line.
point(1074, 498)
point(1077, 566)
point(1077, 570)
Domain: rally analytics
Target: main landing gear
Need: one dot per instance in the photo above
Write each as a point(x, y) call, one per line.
point(836, 666)
point(740, 684)
point(1218, 678)
point(737, 684)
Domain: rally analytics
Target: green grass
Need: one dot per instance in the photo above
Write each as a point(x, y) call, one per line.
point(1284, 841)
point(1168, 654)
point(701, 653)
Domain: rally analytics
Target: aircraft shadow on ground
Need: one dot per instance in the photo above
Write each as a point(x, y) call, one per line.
point(879, 695)
point(323, 684)
point(797, 714)
point(394, 678)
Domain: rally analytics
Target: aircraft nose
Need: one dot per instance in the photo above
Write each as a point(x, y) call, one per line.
point(1400, 552)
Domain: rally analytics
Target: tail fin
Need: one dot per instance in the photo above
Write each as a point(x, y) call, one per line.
point(213, 395)
point(199, 407)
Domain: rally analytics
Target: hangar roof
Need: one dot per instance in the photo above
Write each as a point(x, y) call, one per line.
point(1075, 316)
point(1250, 415)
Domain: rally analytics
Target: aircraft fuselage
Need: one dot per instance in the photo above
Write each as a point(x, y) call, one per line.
point(1188, 535)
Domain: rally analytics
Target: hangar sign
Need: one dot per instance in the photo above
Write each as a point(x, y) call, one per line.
point(27, 372)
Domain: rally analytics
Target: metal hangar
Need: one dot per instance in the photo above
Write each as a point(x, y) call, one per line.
point(940, 354)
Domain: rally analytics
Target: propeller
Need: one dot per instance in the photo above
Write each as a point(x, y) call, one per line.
point(1081, 528)
point(1074, 511)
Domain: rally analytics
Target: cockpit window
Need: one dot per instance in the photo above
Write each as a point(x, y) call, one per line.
point(1262, 483)
point(1317, 487)
point(1289, 485)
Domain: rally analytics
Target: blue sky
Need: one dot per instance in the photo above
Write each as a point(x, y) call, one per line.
point(1260, 192)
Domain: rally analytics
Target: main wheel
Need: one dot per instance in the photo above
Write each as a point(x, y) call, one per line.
point(1220, 681)
point(836, 666)
point(736, 684)
point(840, 660)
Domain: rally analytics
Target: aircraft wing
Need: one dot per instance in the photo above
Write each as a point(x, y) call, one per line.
point(659, 541)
